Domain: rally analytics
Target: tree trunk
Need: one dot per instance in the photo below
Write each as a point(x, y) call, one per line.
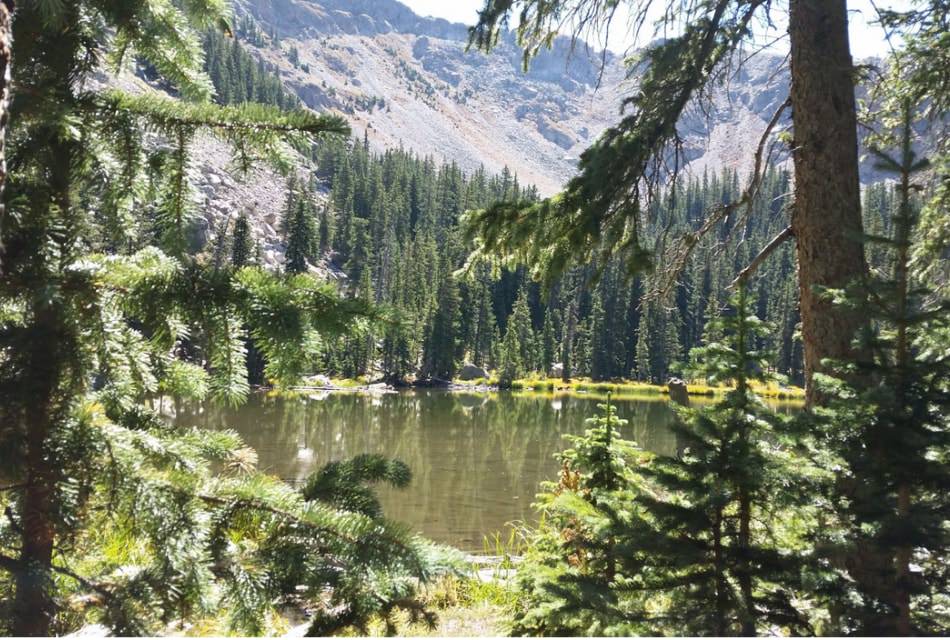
point(826, 218)
point(6, 55)
point(33, 606)
point(719, 569)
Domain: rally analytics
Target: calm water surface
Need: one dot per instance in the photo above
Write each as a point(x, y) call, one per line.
point(477, 459)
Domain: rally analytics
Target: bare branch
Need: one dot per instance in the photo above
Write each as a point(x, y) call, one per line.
point(774, 243)
point(684, 248)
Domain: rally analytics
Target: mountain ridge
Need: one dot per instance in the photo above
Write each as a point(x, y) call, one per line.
point(410, 80)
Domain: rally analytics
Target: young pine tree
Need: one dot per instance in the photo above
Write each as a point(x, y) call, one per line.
point(242, 243)
point(635, 543)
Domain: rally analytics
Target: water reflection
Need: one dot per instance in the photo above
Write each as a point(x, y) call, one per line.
point(477, 459)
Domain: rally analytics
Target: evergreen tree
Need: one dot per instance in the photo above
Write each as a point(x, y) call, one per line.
point(89, 337)
point(398, 363)
point(441, 344)
point(634, 543)
point(522, 335)
point(511, 366)
point(299, 239)
point(891, 433)
point(242, 248)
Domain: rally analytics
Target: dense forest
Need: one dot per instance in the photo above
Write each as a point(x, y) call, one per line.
point(120, 509)
point(392, 223)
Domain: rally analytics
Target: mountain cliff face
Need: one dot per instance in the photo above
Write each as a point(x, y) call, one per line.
point(408, 80)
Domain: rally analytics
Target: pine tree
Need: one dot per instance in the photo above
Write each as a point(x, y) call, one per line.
point(510, 364)
point(300, 239)
point(88, 337)
point(522, 334)
point(635, 543)
point(242, 248)
point(890, 431)
point(441, 344)
point(325, 231)
point(398, 362)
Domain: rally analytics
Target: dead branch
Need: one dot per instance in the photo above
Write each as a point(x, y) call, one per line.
point(774, 243)
point(684, 248)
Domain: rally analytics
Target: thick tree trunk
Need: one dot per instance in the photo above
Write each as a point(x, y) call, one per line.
point(826, 219)
point(6, 55)
point(34, 606)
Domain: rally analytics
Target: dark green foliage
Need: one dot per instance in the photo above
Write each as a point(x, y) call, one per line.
point(888, 423)
point(238, 77)
point(341, 483)
point(692, 544)
point(242, 246)
point(441, 347)
point(398, 216)
point(300, 238)
point(112, 515)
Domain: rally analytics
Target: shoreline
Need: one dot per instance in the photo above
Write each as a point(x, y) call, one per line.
point(549, 387)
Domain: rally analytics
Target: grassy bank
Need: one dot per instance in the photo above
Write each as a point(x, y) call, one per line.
point(626, 389)
point(631, 388)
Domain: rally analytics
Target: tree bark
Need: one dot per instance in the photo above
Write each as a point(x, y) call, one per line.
point(826, 219)
point(6, 59)
point(33, 605)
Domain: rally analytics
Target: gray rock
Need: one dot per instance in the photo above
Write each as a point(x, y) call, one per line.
point(319, 381)
point(557, 370)
point(470, 371)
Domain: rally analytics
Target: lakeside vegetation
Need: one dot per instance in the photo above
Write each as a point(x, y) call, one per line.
point(833, 520)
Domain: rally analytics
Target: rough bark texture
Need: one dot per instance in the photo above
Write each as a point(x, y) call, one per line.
point(6, 54)
point(826, 219)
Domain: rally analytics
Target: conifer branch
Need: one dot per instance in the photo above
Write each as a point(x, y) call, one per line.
point(249, 117)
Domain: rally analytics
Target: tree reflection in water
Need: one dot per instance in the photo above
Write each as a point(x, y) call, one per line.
point(477, 459)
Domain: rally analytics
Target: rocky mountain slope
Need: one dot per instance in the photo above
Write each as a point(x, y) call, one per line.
point(408, 80)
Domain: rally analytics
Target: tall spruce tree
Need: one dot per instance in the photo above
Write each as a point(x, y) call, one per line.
point(442, 342)
point(300, 238)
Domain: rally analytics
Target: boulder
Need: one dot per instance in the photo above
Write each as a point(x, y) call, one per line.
point(319, 380)
point(557, 370)
point(470, 371)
